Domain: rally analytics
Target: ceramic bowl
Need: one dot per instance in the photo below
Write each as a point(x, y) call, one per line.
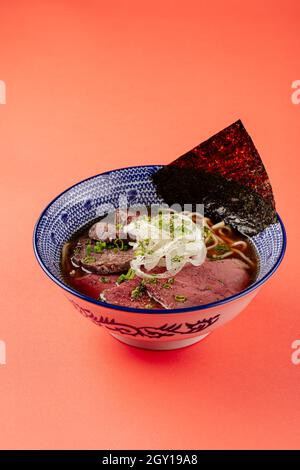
point(155, 329)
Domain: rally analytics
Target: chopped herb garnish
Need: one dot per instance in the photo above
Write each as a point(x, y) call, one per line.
point(130, 273)
point(168, 284)
point(121, 278)
point(180, 298)
point(88, 249)
point(89, 259)
point(103, 279)
point(221, 248)
point(137, 292)
point(139, 252)
point(119, 244)
point(126, 277)
point(177, 259)
point(207, 232)
point(98, 247)
point(149, 306)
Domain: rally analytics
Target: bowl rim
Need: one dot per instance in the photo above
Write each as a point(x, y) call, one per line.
point(88, 299)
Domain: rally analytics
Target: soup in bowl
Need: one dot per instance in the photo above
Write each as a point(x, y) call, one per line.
point(152, 276)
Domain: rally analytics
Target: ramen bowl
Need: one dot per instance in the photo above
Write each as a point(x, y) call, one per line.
point(157, 329)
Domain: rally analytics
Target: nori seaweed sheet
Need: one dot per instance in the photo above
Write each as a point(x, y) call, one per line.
point(226, 174)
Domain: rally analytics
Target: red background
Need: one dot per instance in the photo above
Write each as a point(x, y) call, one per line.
point(92, 86)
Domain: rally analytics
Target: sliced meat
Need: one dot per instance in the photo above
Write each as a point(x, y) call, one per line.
point(129, 294)
point(109, 261)
point(93, 284)
point(111, 226)
point(199, 285)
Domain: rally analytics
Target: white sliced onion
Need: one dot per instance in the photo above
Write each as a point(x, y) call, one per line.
point(169, 239)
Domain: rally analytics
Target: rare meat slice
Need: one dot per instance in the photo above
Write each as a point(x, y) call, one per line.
point(106, 261)
point(200, 285)
point(93, 284)
point(111, 227)
point(131, 293)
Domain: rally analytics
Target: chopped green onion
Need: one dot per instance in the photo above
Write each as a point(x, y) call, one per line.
point(137, 292)
point(126, 277)
point(221, 248)
point(168, 283)
point(119, 244)
point(177, 259)
point(89, 259)
point(105, 280)
point(99, 247)
point(130, 274)
point(88, 249)
point(121, 278)
point(180, 298)
point(139, 252)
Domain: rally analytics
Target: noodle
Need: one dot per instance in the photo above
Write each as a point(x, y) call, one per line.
point(242, 255)
point(218, 225)
point(229, 253)
point(221, 234)
point(243, 245)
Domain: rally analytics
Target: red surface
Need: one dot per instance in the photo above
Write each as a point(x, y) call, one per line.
point(93, 86)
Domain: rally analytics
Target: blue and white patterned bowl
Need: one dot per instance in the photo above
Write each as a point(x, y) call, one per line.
point(155, 329)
